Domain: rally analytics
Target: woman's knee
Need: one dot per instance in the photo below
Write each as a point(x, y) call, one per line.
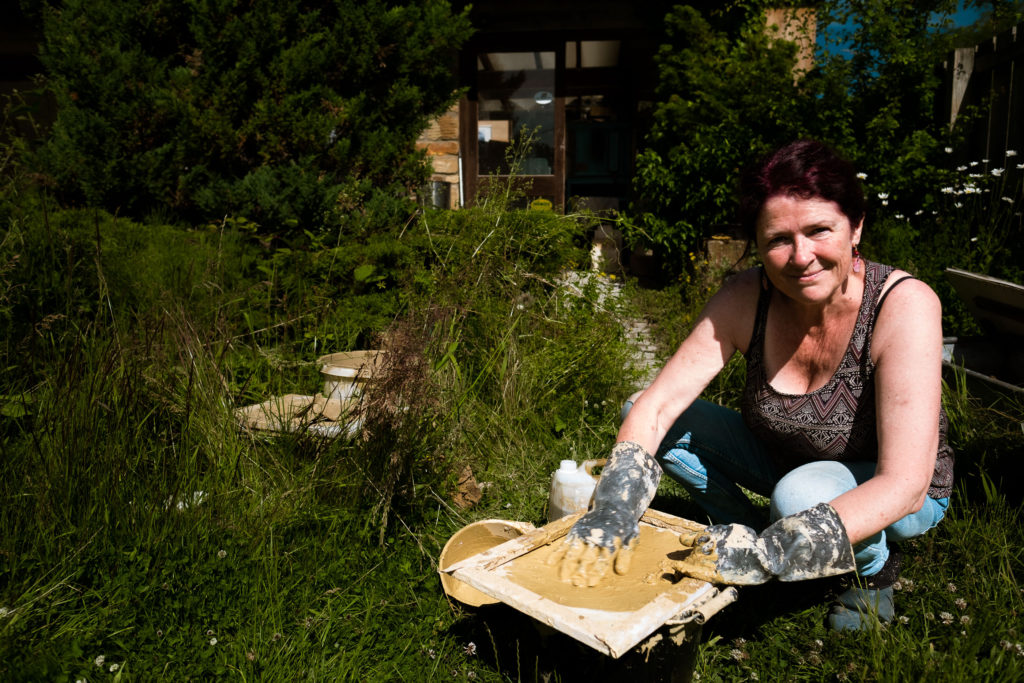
point(808, 485)
point(628, 405)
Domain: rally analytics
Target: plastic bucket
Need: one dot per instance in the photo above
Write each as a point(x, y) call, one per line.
point(347, 374)
point(472, 540)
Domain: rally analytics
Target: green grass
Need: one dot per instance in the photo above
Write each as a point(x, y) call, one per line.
point(137, 524)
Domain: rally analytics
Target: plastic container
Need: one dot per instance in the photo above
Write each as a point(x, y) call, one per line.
point(348, 374)
point(572, 488)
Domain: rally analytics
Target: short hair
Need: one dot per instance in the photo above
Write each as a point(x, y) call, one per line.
point(804, 169)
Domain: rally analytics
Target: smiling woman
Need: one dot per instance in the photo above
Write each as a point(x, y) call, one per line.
point(841, 423)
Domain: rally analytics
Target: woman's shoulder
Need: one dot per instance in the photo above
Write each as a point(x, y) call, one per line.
point(734, 307)
point(903, 285)
point(909, 314)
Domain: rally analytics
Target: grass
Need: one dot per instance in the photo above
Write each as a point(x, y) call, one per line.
point(143, 537)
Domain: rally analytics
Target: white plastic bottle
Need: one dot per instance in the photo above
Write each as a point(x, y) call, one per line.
point(572, 488)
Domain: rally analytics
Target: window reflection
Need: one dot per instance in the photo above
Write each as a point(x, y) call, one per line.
point(516, 100)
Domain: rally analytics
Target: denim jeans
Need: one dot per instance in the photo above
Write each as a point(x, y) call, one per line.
point(711, 452)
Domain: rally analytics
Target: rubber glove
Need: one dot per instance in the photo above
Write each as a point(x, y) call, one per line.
point(605, 536)
point(808, 545)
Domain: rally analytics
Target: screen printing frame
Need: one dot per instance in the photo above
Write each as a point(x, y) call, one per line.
point(612, 633)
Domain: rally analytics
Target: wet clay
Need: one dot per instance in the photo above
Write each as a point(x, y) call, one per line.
point(471, 540)
point(651, 573)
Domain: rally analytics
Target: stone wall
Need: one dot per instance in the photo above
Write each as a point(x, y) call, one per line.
point(441, 141)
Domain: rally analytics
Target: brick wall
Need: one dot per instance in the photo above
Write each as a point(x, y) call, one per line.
point(441, 140)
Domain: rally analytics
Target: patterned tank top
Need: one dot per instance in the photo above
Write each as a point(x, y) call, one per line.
point(837, 421)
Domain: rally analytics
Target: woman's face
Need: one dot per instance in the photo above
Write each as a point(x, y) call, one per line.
point(807, 246)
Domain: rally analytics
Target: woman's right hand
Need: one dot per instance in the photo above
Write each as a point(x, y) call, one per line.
point(605, 536)
point(602, 538)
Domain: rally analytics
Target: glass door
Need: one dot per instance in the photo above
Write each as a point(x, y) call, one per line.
point(520, 121)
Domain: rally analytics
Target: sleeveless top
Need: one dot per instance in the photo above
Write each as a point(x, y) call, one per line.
point(837, 421)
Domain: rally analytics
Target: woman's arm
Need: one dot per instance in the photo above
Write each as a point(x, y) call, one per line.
point(907, 350)
point(723, 327)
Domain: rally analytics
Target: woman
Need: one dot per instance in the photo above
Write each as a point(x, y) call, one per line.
point(841, 422)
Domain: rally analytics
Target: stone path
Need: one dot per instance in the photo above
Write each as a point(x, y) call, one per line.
point(638, 330)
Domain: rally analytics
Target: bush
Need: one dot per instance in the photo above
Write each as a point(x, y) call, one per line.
point(288, 113)
point(727, 95)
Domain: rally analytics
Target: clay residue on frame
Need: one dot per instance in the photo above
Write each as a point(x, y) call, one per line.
point(651, 573)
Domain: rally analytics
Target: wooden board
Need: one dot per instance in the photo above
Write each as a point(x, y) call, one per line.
point(297, 413)
point(611, 632)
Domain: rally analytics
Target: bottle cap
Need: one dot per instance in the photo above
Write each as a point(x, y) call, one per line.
point(567, 466)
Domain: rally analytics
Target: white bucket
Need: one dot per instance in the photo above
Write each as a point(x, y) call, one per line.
point(347, 374)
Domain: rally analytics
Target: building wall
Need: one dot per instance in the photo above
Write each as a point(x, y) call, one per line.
point(441, 141)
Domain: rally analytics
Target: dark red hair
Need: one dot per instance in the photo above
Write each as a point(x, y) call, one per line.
point(804, 169)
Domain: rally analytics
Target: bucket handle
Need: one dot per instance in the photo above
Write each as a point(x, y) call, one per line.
point(589, 466)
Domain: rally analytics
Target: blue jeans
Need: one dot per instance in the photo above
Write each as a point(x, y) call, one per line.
point(711, 452)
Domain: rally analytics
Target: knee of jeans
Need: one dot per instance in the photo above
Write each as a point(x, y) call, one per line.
point(685, 467)
point(628, 405)
point(808, 485)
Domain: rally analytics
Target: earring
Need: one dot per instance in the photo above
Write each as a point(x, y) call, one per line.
point(856, 259)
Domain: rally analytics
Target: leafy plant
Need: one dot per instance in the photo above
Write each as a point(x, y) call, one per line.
point(289, 114)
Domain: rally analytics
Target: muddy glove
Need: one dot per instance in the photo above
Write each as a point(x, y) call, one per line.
point(808, 545)
point(606, 535)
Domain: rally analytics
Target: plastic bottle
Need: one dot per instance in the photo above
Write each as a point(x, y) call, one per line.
point(572, 488)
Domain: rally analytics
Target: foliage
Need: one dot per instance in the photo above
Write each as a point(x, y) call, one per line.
point(727, 95)
point(722, 98)
point(287, 113)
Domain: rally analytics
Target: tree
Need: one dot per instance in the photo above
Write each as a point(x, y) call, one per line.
point(286, 112)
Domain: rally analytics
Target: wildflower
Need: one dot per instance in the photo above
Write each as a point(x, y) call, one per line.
point(900, 216)
point(973, 175)
point(431, 653)
point(964, 619)
point(919, 212)
point(959, 205)
point(929, 616)
point(222, 554)
point(470, 649)
point(1020, 166)
point(209, 632)
point(753, 676)
point(508, 505)
point(904, 619)
point(996, 172)
point(251, 656)
point(1011, 153)
point(984, 161)
point(276, 637)
point(159, 633)
point(213, 641)
point(4, 612)
point(818, 644)
point(471, 675)
point(1007, 200)
point(862, 176)
point(738, 654)
point(99, 660)
point(974, 163)
point(948, 190)
point(897, 586)
point(949, 150)
point(885, 202)
point(961, 168)
point(946, 618)
point(114, 667)
point(974, 239)
point(883, 195)
point(951, 587)
point(960, 603)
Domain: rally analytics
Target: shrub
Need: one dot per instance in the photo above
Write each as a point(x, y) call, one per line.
point(288, 113)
